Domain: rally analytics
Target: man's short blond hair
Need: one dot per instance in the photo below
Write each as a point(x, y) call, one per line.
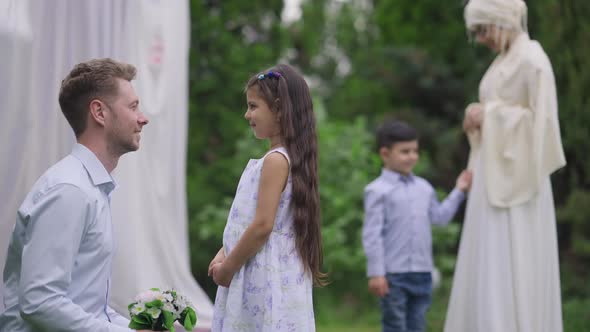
point(94, 79)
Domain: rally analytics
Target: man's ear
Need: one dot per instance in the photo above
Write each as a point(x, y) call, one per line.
point(97, 109)
point(384, 152)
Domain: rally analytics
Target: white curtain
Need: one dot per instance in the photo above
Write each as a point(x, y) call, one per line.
point(40, 41)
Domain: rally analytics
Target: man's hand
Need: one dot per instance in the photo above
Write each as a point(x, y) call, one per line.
point(221, 275)
point(473, 117)
point(378, 286)
point(464, 181)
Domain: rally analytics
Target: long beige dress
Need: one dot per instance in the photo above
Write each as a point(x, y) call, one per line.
point(507, 273)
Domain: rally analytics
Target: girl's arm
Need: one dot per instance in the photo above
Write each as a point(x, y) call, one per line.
point(275, 172)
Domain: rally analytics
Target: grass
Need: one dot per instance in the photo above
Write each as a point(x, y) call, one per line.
point(348, 329)
point(348, 316)
point(345, 316)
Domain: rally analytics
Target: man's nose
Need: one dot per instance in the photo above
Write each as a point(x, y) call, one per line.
point(143, 120)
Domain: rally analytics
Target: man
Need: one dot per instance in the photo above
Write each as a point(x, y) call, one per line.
point(58, 267)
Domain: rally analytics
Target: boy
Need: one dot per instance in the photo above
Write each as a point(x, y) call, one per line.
point(399, 208)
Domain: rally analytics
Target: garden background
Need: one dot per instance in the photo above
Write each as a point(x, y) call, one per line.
point(367, 61)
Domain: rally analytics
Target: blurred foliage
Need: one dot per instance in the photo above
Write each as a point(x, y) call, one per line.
point(367, 61)
point(230, 41)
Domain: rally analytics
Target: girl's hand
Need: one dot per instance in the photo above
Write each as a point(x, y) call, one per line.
point(219, 258)
point(221, 275)
point(473, 117)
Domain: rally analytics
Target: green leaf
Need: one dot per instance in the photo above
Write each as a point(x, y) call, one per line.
point(140, 322)
point(190, 320)
point(142, 318)
point(155, 303)
point(136, 326)
point(168, 320)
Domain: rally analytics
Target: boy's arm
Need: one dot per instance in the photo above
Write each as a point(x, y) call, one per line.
point(372, 230)
point(442, 213)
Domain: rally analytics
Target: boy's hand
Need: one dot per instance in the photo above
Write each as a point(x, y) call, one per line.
point(464, 181)
point(378, 286)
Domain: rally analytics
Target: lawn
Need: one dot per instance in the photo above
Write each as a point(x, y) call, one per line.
point(332, 317)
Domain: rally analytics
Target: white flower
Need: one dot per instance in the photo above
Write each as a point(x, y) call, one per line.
point(168, 297)
point(181, 305)
point(182, 302)
point(169, 307)
point(154, 312)
point(137, 309)
point(148, 296)
point(174, 304)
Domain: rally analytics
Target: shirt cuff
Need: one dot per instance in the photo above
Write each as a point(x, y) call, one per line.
point(457, 194)
point(376, 269)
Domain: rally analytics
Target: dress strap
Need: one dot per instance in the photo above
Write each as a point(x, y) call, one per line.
point(280, 150)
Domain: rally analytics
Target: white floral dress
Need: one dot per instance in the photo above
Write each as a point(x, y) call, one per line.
point(271, 292)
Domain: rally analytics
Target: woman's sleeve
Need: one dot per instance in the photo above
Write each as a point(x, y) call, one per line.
point(522, 142)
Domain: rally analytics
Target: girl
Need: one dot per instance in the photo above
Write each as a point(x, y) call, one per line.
point(272, 251)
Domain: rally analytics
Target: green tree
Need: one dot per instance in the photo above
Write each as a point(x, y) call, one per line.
point(563, 31)
point(230, 41)
point(367, 61)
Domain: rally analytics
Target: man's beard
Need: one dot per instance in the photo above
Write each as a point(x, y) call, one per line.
point(120, 146)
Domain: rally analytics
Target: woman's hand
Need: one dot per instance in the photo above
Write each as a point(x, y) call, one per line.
point(473, 117)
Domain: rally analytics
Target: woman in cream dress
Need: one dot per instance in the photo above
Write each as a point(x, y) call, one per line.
point(507, 273)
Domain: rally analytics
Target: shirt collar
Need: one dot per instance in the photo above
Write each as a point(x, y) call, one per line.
point(98, 174)
point(393, 176)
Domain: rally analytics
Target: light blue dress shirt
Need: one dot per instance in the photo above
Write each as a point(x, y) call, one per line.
point(398, 213)
point(58, 268)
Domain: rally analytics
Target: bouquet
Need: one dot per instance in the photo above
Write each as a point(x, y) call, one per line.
point(158, 310)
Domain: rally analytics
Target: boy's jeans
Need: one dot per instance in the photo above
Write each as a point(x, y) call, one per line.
point(404, 307)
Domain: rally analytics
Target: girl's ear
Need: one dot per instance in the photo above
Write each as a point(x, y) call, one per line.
point(276, 105)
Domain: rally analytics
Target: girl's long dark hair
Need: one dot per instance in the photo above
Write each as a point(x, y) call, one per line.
point(286, 92)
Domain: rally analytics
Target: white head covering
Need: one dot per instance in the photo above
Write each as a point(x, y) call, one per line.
point(506, 14)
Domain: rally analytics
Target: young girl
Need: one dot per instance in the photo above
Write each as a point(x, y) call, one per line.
point(272, 251)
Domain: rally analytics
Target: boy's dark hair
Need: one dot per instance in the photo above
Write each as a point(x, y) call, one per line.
point(392, 132)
